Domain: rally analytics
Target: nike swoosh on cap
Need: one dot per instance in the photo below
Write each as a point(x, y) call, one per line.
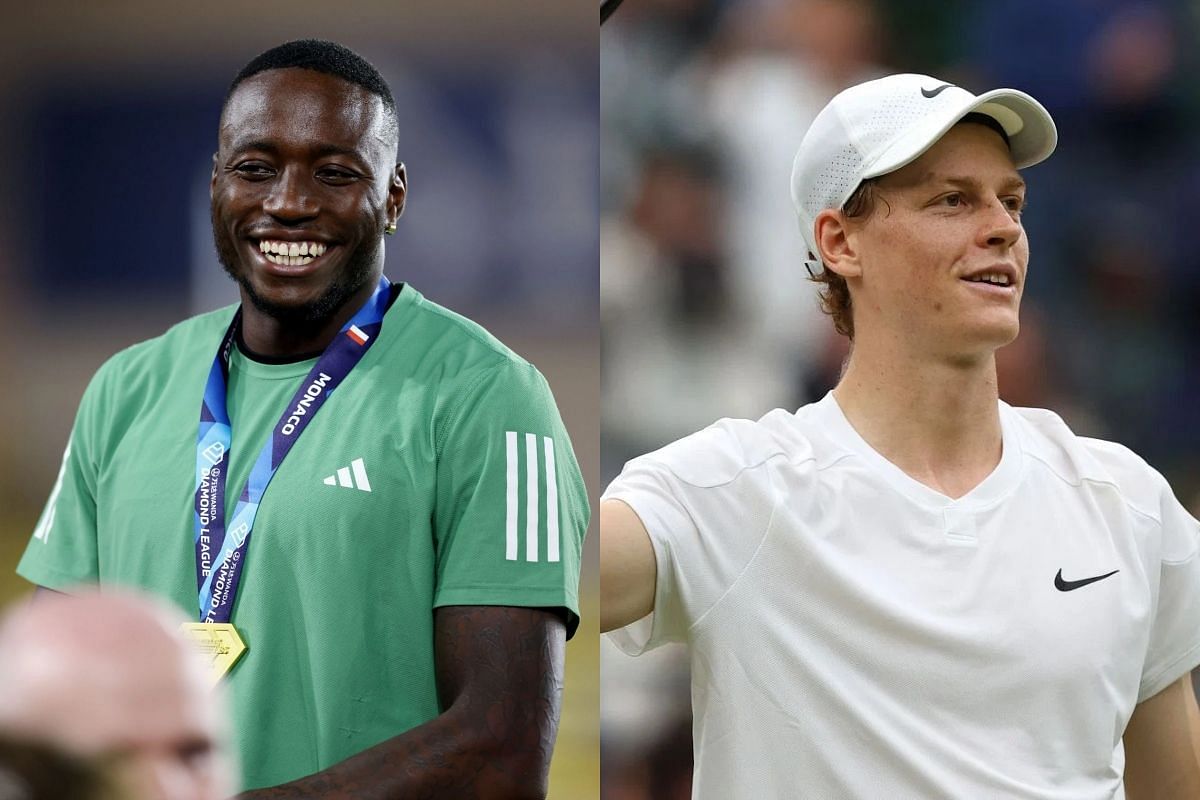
point(934, 92)
point(1068, 586)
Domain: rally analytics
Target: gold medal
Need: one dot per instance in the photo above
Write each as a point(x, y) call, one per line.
point(219, 644)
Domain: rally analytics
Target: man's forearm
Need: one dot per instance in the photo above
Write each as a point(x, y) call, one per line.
point(442, 758)
point(492, 743)
point(1162, 745)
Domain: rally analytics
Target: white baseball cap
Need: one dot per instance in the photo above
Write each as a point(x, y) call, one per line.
point(879, 126)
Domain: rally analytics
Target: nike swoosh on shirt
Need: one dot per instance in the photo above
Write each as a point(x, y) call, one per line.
point(934, 92)
point(1069, 586)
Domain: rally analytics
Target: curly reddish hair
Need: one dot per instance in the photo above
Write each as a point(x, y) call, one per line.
point(835, 293)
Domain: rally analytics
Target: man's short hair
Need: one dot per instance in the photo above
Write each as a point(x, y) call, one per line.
point(330, 58)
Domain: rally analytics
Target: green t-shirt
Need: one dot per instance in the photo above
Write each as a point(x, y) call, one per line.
point(438, 473)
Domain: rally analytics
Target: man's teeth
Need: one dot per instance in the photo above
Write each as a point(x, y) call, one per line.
point(291, 254)
point(990, 277)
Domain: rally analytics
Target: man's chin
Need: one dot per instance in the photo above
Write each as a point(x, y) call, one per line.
point(1004, 330)
point(291, 305)
point(990, 337)
point(298, 303)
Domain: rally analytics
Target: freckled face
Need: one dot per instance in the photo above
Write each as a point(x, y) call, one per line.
point(303, 184)
point(944, 254)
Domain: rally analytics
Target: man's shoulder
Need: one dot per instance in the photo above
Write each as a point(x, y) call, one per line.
point(194, 337)
point(1077, 460)
point(730, 448)
point(458, 343)
point(139, 369)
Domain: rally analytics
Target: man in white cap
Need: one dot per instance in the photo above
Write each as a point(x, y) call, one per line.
point(109, 677)
point(910, 589)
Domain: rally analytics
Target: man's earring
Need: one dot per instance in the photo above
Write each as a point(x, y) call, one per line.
point(390, 229)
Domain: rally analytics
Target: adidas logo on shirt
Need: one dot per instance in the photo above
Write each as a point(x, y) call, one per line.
point(351, 477)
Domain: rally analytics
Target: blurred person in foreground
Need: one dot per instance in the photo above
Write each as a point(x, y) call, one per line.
point(910, 587)
point(109, 678)
point(369, 503)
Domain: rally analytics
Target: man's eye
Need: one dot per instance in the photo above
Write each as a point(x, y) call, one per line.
point(1014, 204)
point(953, 200)
point(334, 175)
point(253, 170)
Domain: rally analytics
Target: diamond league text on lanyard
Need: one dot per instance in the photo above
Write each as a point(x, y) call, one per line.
point(218, 570)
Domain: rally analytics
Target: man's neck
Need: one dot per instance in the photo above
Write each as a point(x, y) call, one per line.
point(265, 335)
point(936, 419)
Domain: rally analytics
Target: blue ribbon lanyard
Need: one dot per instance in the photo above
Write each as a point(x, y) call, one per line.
point(218, 570)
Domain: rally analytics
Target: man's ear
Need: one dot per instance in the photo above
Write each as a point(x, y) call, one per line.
point(397, 193)
point(835, 240)
point(212, 180)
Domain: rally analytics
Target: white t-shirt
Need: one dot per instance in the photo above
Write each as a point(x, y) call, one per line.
point(855, 634)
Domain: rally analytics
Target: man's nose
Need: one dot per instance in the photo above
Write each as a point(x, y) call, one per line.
point(291, 198)
point(1001, 228)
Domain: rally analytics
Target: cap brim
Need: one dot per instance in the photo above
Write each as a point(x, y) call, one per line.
point(1032, 135)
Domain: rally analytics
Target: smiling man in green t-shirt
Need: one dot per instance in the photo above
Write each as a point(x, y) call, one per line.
point(375, 495)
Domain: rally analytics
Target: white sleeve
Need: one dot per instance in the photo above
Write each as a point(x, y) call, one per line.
point(706, 512)
point(1174, 647)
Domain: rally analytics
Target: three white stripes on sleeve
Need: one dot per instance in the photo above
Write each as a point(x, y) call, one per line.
point(532, 504)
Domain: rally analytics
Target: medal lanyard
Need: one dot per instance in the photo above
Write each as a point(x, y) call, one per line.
point(221, 550)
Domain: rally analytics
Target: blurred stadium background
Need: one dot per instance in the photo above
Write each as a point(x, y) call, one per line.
point(705, 310)
point(109, 123)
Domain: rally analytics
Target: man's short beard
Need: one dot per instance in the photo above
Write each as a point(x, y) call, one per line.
point(357, 271)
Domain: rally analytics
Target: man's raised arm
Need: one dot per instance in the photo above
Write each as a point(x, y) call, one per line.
point(627, 568)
